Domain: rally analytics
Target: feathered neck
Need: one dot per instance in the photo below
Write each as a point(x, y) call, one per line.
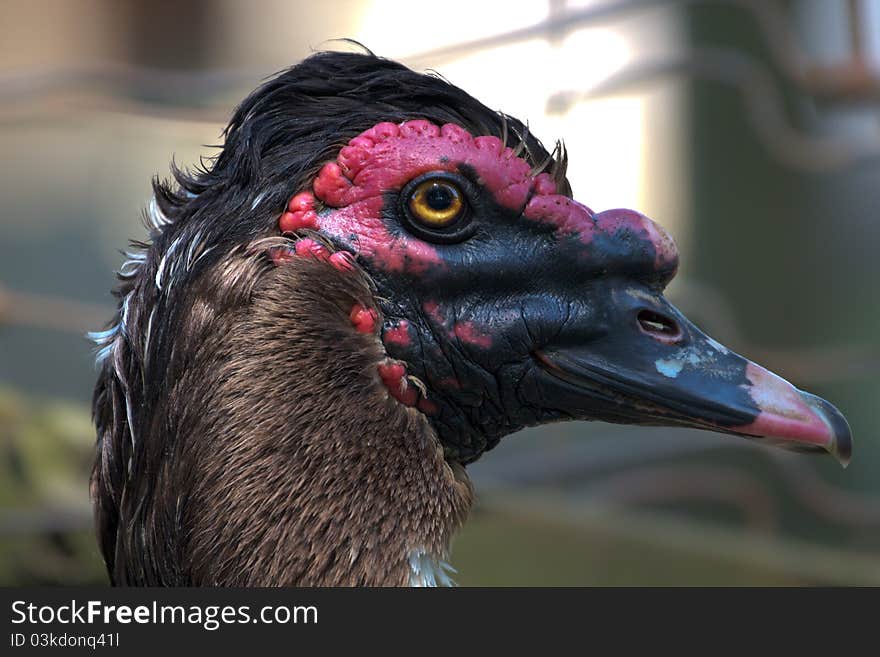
point(267, 451)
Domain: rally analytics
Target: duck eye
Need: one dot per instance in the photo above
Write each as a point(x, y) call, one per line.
point(436, 203)
point(436, 207)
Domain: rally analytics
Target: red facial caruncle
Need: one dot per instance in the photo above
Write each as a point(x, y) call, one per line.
point(398, 334)
point(300, 214)
point(400, 386)
point(363, 319)
point(387, 156)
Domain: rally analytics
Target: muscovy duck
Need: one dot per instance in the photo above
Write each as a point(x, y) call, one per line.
point(374, 281)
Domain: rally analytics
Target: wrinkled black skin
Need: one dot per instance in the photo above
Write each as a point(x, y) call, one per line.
point(529, 288)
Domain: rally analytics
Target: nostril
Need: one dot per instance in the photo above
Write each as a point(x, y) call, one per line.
point(658, 326)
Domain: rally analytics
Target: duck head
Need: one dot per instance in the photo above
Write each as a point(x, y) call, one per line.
point(506, 303)
point(374, 281)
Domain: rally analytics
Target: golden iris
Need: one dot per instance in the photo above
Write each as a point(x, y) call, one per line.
point(436, 203)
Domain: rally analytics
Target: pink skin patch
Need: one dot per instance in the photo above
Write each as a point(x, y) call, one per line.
point(465, 332)
point(544, 185)
point(387, 156)
point(567, 215)
point(572, 218)
point(363, 319)
point(393, 375)
point(342, 260)
point(397, 335)
point(311, 249)
point(784, 413)
point(300, 214)
point(615, 221)
point(664, 246)
point(468, 333)
point(281, 255)
point(432, 308)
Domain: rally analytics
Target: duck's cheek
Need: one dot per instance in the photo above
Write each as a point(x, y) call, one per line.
point(430, 344)
point(398, 334)
point(485, 337)
point(361, 228)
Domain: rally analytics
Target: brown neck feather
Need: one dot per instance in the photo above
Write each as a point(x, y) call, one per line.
point(288, 461)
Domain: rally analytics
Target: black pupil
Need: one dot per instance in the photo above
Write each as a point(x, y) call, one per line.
point(439, 197)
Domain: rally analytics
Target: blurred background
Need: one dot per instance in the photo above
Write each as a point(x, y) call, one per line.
point(750, 129)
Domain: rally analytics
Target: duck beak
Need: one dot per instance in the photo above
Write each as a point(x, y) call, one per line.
point(796, 416)
point(659, 369)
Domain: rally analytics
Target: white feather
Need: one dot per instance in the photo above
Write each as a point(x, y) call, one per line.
point(427, 570)
point(160, 272)
point(257, 200)
point(157, 217)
